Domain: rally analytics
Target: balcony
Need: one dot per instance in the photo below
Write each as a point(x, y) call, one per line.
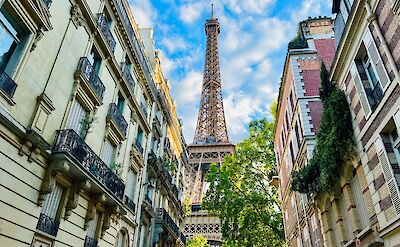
point(48, 225)
point(183, 238)
point(175, 190)
point(130, 204)
point(105, 29)
point(90, 242)
point(167, 176)
point(128, 76)
point(7, 85)
point(115, 116)
point(163, 218)
point(69, 143)
point(92, 82)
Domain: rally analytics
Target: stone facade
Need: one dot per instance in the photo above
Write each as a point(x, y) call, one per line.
point(91, 149)
point(298, 119)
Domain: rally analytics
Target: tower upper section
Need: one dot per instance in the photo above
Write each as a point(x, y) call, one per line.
point(211, 124)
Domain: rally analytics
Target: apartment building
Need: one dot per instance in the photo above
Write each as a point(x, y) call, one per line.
point(298, 118)
point(91, 151)
point(366, 67)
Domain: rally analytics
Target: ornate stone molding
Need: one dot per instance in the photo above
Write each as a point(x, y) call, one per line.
point(49, 181)
point(73, 197)
point(113, 213)
point(77, 16)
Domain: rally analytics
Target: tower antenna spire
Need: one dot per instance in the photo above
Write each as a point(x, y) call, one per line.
point(212, 9)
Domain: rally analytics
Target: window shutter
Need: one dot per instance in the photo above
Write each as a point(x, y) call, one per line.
point(131, 182)
point(50, 205)
point(360, 89)
point(93, 226)
point(76, 114)
point(360, 203)
point(388, 174)
point(108, 152)
point(376, 59)
point(315, 230)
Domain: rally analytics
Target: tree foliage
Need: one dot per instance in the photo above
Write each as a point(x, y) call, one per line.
point(334, 143)
point(240, 194)
point(197, 241)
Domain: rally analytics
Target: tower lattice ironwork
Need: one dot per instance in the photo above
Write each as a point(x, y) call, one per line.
point(211, 141)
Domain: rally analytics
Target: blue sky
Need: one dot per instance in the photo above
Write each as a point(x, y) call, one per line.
point(252, 47)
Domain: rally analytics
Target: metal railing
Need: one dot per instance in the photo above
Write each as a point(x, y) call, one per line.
point(115, 114)
point(128, 76)
point(134, 39)
point(138, 146)
point(90, 242)
point(129, 203)
point(105, 29)
point(162, 216)
point(7, 85)
point(144, 109)
point(48, 225)
point(87, 71)
point(68, 141)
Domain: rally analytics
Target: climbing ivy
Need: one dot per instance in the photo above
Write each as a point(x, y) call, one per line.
point(334, 146)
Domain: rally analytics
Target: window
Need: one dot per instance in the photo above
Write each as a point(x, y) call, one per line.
point(122, 239)
point(77, 119)
point(345, 216)
point(314, 226)
point(306, 236)
point(120, 103)
point(108, 152)
point(359, 201)
point(139, 139)
point(131, 184)
point(92, 234)
point(95, 59)
point(49, 217)
point(333, 226)
point(11, 40)
point(369, 73)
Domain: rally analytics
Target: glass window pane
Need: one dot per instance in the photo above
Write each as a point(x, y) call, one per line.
point(372, 75)
point(8, 41)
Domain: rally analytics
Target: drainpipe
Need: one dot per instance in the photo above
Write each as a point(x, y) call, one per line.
point(374, 22)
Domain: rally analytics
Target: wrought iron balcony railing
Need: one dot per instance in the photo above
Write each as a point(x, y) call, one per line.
point(175, 190)
point(144, 109)
point(128, 76)
point(48, 225)
point(90, 242)
point(134, 40)
point(163, 217)
point(7, 85)
point(105, 29)
point(115, 114)
point(85, 68)
point(69, 142)
point(138, 146)
point(167, 175)
point(129, 203)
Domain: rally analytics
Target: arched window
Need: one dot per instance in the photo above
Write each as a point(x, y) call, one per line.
point(122, 238)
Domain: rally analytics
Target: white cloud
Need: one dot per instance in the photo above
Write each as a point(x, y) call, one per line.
point(174, 43)
point(144, 13)
point(191, 12)
point(190, 88)
point(249, 6)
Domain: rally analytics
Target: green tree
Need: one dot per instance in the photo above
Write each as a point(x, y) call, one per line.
point(240, 193)
point(198, 241)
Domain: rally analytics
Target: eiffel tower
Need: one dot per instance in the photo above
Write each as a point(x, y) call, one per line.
point(211, 141)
